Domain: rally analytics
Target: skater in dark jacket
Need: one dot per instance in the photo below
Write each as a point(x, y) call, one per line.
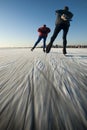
point(43, 33)
point(64, 16)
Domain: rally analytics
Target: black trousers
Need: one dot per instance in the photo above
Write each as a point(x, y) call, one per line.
point(58, 28)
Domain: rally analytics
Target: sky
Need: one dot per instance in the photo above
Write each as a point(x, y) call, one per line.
point(20, 19)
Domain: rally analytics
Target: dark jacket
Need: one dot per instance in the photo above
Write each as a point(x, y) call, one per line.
point(63, 16)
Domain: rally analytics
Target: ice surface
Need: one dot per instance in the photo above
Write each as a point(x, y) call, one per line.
point(40, 91)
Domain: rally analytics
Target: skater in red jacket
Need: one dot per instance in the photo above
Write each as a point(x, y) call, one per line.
point(43, 33)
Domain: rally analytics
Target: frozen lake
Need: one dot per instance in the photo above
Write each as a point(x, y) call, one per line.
point(40, 91)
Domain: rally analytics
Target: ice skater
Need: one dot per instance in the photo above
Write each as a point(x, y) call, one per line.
point(43, 33)
point(64, 16)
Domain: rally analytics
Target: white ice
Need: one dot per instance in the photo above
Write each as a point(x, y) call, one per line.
point(40, 91)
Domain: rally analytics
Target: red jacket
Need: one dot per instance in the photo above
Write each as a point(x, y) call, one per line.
point(43, 31)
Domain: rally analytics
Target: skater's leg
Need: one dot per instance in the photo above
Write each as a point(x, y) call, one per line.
point(44, 43)
point(56, 31)
point(65, 31)
point(39, 39)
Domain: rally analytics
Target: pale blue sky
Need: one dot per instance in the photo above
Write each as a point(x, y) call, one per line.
point(20, 19)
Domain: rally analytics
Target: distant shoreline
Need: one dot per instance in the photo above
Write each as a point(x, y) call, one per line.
point(56, 46)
